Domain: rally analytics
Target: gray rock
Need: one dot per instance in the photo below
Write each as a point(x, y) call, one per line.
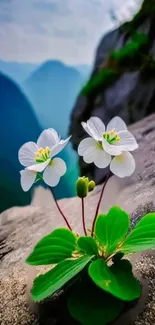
point(23, 227)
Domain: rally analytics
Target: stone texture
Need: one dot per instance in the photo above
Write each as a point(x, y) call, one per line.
point(21, 228)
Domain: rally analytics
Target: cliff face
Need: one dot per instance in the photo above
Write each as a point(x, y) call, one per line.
point(122, 81)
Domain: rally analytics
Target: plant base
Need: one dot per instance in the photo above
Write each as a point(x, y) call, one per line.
point(53, 311)
point(134, 308)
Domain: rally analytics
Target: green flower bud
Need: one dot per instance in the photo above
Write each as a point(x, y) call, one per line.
point(82, 187)
point(91, 186)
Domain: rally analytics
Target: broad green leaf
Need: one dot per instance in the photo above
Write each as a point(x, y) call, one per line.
point(117, 279)
point(111, 229)
point(142, 237)
point(88, 245)
point(53, 248)
point(90, 305)
point(45, 285)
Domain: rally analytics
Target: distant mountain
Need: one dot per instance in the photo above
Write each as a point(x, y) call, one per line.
point(17, 71)
point(85, 70)
point(52, 89)
point(20, 71)
point(18, 124)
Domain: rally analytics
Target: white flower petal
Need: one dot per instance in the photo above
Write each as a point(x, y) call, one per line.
point(27, 179)
point(123, 165)
point(59, 147)
point(116, 123)
point(127, 141)
point(102, 159)
point(94, 127)
point(26, 154)
point(59, 165)
point(86, 144)
point(50, 177)
point(88, 149)
point(86, 128)
point(90, 155)
point(111, 149)
point(97, 126)
point(48, 138)
point(39, 167)
point(53, 172)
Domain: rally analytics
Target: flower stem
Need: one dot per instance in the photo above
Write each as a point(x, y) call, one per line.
point(99, 202)
point(83, 217)
point(62, 214)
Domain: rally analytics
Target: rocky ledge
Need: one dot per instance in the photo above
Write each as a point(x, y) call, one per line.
point(21, 228)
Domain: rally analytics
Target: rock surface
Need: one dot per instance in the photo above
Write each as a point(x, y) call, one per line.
point(130, 97)
point(22, 227)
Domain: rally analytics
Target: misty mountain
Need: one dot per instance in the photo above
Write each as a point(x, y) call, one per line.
point(52, 89)
point(17, 71)
point(18, 124)
point(20, 71)
point(85, 70)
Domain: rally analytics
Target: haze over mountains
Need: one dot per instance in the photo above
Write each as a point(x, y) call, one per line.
point(17, 71)
point(52, 89)
point(20, 71)
point(34, 97)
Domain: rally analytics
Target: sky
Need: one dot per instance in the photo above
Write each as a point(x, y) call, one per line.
point(66, 30)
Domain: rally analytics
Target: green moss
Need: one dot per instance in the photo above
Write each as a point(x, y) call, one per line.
point(131, 57)
point(140, 38)
point(103, 79)
point(107, 76)
point(130, 50)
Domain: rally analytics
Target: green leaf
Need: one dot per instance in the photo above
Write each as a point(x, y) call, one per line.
point(45, 285)
point(90, 305)
point(88, 245)
point(110, 229)
point(142, 237)
point(53, 248)
point(117, 279)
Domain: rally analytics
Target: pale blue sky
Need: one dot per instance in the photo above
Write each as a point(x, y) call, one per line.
point(67, 30)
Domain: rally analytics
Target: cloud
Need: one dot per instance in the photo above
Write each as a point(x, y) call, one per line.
point(69, 30)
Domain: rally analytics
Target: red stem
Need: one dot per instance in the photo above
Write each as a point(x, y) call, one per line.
point(83, 218)
point(99, 202)
point(65, 219)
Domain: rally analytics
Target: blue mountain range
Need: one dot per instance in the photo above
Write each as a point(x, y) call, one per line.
point(17, 71)
point(52, 89)
point(18, 124)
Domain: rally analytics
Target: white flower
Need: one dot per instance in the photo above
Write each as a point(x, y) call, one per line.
point(115, 140)
point(123, 165)
point(38, 157)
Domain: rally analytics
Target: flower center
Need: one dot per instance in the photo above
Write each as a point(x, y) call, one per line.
point(111, 137)
point(42, 154)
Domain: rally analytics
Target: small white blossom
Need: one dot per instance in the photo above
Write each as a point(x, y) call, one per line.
point(38, 157)
point(103, 143)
